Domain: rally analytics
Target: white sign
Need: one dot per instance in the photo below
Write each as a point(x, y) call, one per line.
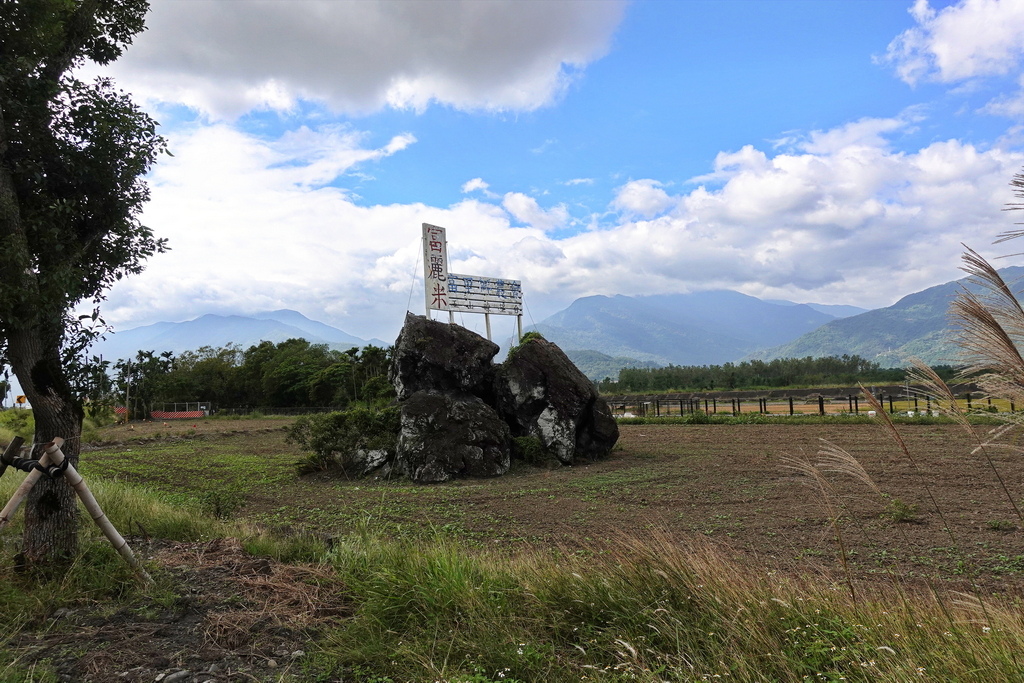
point(435, 268)
point(476, 294)
point(446, 291)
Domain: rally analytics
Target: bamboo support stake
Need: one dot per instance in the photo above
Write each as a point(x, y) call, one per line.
point(19, 494)
point(94, 509)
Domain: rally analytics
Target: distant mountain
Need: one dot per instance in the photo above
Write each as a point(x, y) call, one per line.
point(330, 335)
point(221, 330)
point(597, 365)
point(684, 329)
point(834, 310)
point(916, 325)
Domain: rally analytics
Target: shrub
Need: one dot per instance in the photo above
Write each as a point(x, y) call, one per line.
point(526, 339)
point(529, 449)
point(898, 511)
point(343, 433)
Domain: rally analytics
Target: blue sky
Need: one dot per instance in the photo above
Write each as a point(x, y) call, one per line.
point(829, 152)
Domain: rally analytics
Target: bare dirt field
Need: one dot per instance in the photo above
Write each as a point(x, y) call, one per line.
point(729, 483)
point(234, 617)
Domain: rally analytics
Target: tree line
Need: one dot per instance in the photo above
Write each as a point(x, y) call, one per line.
point(843, 370)
point(290, 374)
point(296, 374)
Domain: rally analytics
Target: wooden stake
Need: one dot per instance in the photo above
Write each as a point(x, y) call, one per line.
point(94, 509)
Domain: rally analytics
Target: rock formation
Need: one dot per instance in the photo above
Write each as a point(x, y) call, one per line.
point(460, 412)
point(448, 434)
point(540, 393)
point(433, 356)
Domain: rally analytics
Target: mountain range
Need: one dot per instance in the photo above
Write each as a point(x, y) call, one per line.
point(701, 328)
point(603, 334)
point(711, 328)
point(916, 325)
point(220, 330)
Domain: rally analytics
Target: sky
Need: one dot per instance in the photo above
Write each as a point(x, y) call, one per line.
point(835, 152)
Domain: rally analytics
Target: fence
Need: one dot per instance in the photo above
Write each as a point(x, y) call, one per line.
point(276, 411)
point(181, 411)
point(806, 404)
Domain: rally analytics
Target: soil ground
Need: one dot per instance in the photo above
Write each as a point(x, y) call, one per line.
point(730, 483)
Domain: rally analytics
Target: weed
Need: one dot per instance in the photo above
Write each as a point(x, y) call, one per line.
point(222, 504)
point(530, 450)
point(17, 422)
point(900, 512)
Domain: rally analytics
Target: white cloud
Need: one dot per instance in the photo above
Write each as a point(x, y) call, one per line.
point(525, 209)
point(478, 185)
point(866, 132)
point(1010, 105)
point(643, 198)
point(968, 39)
point(226, 58)
point(852, 223)
point(257, 224)
point(579, 181)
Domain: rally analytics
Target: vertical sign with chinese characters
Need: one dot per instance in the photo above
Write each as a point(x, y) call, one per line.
point(435, 268)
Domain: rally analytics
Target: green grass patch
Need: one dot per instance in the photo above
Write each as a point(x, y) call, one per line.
point(647, 610)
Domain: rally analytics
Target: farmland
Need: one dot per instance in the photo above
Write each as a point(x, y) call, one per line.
point(694, 552)
point(727, 483)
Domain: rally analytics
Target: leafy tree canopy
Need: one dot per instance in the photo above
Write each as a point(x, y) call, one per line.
point(73, 156)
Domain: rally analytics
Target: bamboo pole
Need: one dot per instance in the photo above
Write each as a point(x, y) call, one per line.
point(19, 494)
point(94, 509)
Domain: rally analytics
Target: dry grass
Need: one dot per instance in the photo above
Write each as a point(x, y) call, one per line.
point(262, 593)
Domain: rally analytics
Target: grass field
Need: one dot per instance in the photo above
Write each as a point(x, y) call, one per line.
point(694, 552)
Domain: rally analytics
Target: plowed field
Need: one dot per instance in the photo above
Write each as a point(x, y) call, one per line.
point(947, 516)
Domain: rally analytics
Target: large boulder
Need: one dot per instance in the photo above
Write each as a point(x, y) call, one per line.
point(540, 393)
point(434, 356)
point(446, 434)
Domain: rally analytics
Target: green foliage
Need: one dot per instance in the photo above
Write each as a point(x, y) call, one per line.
point(650, 610)
point(17, 422)
point(74, 161)
point(141, 380)
point(698, 417)
point(525, 339)
point(293, 373)
point(221, 504)
point(529, 449)
point(757, 374)
point(334, 437)
point(899, 511)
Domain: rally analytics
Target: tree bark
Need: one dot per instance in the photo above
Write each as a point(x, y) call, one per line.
point(51, 514)
point(46, 269)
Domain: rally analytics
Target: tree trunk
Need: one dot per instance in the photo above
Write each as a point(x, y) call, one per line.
point(51, 513)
